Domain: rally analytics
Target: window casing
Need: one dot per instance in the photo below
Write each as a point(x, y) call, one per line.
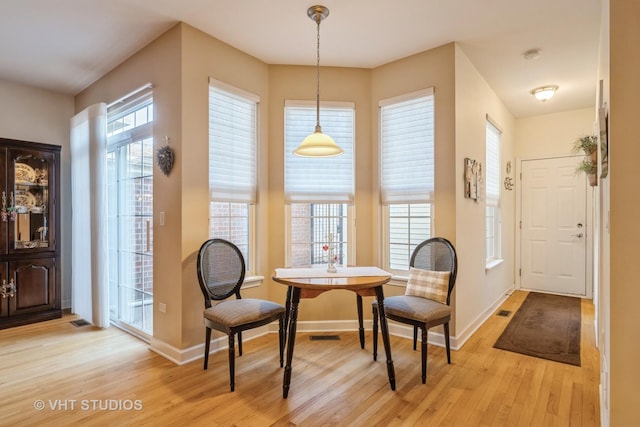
point(319, 191)
point(407, 170)
point(233, 145)
point(492, 193)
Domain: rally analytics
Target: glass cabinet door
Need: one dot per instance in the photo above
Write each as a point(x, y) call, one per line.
point(27, 206)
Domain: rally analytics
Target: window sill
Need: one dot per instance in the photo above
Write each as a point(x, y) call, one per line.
point(493, 264)
point(252, 282)
point(398, 281)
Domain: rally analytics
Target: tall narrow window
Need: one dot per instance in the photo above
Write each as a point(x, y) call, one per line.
point(406, 175)
point(233, 141)
point(492, 189)
point(130, 204)
point(319, 191)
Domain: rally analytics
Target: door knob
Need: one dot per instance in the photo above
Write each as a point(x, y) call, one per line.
point(579, 235)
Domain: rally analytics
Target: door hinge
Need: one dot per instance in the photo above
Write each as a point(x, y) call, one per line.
point(520, 225)
point(520, 272)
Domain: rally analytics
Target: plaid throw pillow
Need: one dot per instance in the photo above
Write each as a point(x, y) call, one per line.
point(432, 285)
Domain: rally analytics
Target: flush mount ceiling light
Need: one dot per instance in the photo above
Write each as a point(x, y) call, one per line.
point(544, 93)
point(318, 144)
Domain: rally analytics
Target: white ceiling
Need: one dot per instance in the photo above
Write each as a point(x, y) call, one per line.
point(65, 45)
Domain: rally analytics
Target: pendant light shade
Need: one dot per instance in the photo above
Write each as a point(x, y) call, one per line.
point(318, 144)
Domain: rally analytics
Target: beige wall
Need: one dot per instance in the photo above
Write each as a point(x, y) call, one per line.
point(434, 68)
point(39, 115)
point(624, 152)
point(159, 64)
point(478, 289)
point(336, 84)
point(553, 134)
point(204, 57)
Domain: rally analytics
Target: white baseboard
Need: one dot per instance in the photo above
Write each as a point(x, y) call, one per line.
point(187, 355)
point(464, 335)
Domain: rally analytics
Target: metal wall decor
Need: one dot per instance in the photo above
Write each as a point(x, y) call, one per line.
point(508, 181)
point(165, 157)
point(472, 176)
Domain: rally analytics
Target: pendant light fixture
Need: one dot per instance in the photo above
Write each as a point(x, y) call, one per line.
point(318, 144)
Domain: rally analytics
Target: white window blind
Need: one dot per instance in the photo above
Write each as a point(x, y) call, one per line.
point(233, 121)
point(493, 165)
point(407, 148)
point(319, 180)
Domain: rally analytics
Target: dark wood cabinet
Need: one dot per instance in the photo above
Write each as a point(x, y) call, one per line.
point(29, 232)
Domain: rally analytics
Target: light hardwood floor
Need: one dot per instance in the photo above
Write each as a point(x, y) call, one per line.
point(106, 377)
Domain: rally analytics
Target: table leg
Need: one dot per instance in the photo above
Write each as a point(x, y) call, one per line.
point(295, 300)
point(287, 312)
point(360, 322)
point(385, 336)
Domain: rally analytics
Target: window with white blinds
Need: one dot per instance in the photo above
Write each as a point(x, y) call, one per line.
point(492, 193)
point(233, 122)
point(317, 179)
point(406, 175)
point(407, 148)
point(492, 165)
point(233, 142)
point(319, 192)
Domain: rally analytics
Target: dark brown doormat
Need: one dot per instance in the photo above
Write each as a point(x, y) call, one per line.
point(545, 326)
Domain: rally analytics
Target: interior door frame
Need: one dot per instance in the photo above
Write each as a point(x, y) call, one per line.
point(589, 227)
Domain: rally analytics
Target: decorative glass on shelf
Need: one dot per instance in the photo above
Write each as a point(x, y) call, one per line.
point(29, 203)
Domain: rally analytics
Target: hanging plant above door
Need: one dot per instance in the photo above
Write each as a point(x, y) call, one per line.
point(589, 165)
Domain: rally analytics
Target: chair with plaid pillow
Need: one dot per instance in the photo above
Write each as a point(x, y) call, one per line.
point(432, 275)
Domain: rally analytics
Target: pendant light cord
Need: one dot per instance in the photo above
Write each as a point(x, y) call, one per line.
point(318, 18)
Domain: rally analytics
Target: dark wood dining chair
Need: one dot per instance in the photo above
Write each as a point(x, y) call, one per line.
point(432, 276)
point(221, 271)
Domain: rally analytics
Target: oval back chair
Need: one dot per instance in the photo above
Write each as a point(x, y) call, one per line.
point(221, 271)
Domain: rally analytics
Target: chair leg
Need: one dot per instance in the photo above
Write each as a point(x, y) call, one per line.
point(424, 355)
point(446, 341)
point(415, 337)
point(232, 362)
point(239, 343)
point(207, 341)
point(375, 333)
point(281, 337)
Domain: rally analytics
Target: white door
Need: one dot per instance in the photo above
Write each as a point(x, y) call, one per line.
point(553, 223)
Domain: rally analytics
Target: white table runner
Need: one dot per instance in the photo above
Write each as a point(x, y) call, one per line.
point(306, 273)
